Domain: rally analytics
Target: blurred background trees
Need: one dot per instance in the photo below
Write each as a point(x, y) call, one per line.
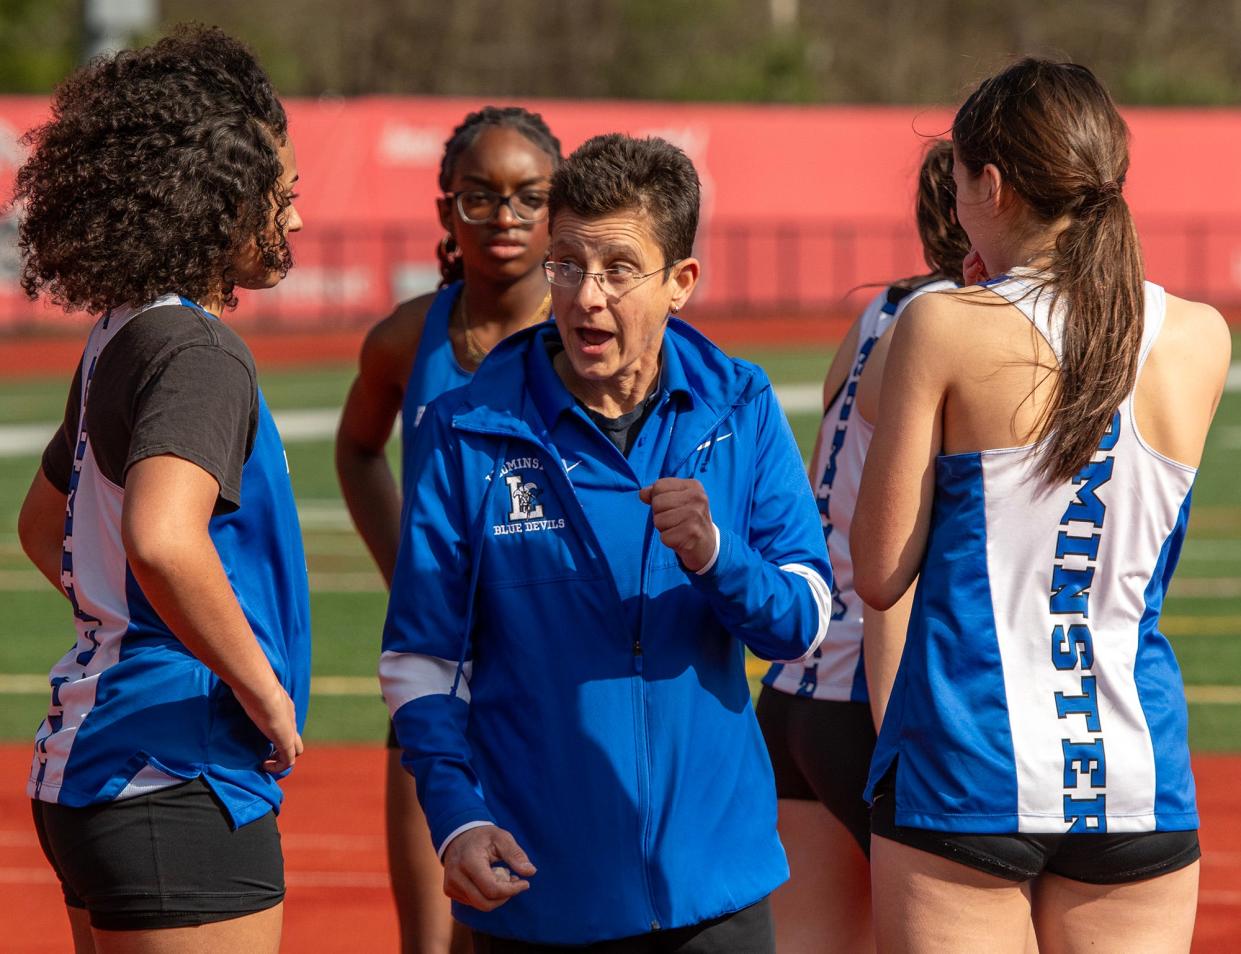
point(795, 51)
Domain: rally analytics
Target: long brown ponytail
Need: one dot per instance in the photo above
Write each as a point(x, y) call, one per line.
point(1057, 139)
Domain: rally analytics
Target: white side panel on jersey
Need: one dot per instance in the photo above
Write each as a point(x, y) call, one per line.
point(1026, 628)
point(98, 587)
point(844, 439)
point(1029, 535)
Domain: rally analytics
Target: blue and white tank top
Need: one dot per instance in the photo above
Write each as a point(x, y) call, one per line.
point(836, 670)
point(1036, 693)
point(132, 710)
point(435, 370)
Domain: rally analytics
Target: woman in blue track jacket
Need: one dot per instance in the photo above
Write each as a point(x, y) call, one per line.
point(603, 520)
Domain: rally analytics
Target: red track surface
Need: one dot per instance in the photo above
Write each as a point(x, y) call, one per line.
point(338, 900)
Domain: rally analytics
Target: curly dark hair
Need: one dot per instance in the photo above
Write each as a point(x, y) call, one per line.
point(530, 125)
point(157, 167)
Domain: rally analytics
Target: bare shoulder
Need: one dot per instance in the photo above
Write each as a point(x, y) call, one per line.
point(389, 349)
point(1197, 322)
point(937, 319)
point(1195, 335)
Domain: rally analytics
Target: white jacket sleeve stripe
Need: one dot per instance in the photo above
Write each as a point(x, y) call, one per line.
point(409, 676)
point(822, 594)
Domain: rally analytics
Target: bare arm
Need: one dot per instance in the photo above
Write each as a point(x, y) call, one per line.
point(168, 503)
point(366, 479)
point(41, 527)
point(883, 642)
point(890, 525)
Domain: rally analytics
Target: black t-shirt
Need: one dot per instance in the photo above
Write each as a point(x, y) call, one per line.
point(172, 381)
point(623, 431)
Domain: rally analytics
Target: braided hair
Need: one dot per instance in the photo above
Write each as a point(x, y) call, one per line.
point(529, 124)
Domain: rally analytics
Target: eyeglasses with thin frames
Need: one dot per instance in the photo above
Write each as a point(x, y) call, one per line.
point(479, 206)
point(615, 280)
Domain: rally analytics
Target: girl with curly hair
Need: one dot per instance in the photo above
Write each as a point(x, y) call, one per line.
point(162, 509)
point(495, 175)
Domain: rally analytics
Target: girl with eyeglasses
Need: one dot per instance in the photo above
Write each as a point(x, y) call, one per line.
point(495, 174)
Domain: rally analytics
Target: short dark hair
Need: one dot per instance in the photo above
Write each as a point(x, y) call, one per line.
point(617, 173)
point(157, 166)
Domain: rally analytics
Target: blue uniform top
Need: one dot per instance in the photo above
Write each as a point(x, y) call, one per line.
point(435, 370)
point(132, 709)
point(551, 666)
point(1036, 693)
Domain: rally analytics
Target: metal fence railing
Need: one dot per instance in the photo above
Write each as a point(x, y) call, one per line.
point(348, 276)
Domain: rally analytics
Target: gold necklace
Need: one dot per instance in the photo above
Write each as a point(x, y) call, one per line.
point(474, 351)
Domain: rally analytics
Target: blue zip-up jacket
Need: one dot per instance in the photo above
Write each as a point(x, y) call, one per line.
point(588, 699)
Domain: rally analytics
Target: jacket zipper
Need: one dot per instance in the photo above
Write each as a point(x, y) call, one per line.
point(645, 769)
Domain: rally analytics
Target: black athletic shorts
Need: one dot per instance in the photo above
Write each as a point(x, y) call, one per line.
point(748, 931)
point(162, 860)
point(1090, 858)
point(820, 750)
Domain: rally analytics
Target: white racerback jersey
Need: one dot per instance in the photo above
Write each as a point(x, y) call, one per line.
point(1036, 693)
point(835, 671)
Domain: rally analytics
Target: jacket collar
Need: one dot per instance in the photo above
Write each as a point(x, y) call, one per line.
point(499, 399)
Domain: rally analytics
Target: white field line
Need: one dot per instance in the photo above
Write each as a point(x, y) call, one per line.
point(319, 424)
point(34, 684)
point(1192, 587)
point(368, 686)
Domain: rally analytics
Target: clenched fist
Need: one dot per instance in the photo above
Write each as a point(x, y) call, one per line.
point(682, 516)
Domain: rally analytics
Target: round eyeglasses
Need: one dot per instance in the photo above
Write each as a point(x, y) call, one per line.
point(478, 206)
point(615, 280)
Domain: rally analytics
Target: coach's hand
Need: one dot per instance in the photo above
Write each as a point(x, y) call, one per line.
point(484, 867)
point(682, 515)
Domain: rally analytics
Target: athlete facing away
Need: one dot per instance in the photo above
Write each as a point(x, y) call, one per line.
point(1031, 469)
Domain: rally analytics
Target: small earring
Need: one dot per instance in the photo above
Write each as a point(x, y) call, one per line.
point(675, 309)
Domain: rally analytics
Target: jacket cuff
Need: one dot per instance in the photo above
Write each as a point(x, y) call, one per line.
point(715, 554)
point(481, 823)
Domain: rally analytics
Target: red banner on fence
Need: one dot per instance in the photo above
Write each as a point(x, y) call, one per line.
point(800, 203)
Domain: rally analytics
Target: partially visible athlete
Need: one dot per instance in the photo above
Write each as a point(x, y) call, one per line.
point(495, 176)
point(162, 510)
point(815, 716)
point(1032, 470)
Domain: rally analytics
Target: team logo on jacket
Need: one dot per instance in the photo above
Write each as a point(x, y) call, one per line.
point(524, 496)
point(525, 511)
